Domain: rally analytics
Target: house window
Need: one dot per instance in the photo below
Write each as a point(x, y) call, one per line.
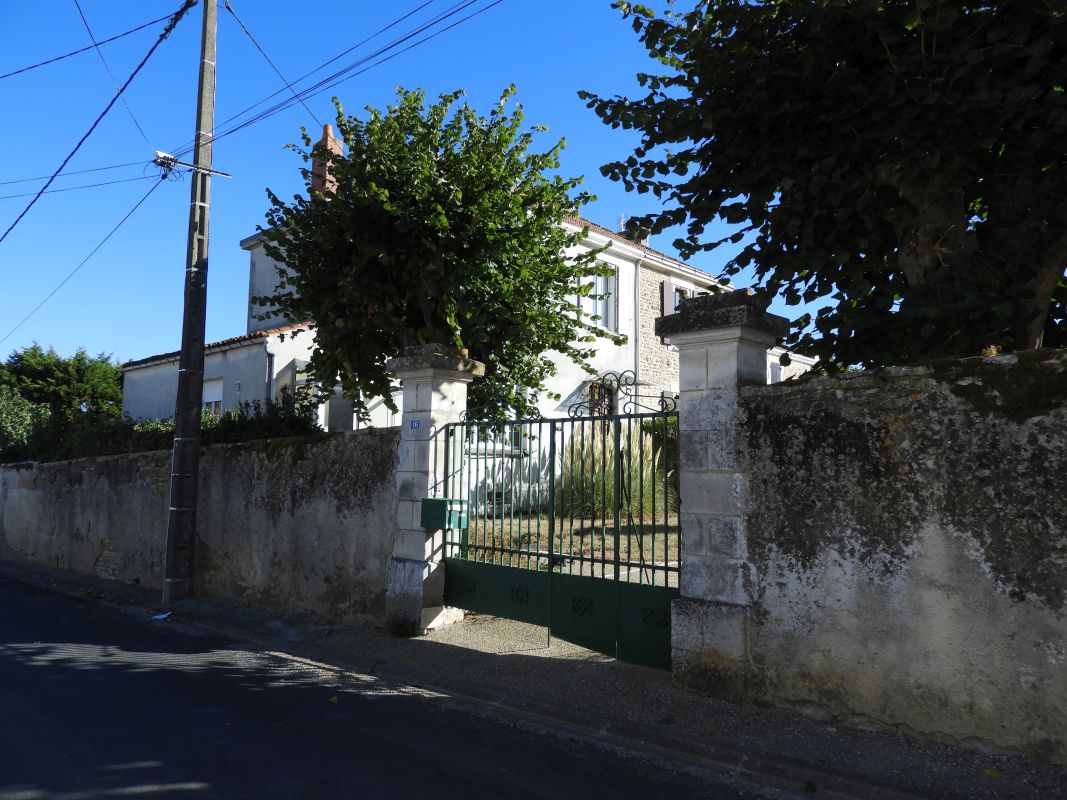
point(672, 296)
point(604, 304)
point(212, 396)
point(601, 399)
point(775, 375)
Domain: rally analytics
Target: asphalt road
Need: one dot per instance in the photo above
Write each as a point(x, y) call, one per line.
point(97, 703)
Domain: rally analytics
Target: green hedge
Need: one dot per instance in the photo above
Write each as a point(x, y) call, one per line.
point(28, 432)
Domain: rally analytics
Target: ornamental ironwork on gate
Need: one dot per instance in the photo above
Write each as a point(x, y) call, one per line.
point(571, 523)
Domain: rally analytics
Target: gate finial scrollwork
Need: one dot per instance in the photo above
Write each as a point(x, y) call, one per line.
point(618, 392)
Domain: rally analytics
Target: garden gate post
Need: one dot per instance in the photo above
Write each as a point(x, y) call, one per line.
point(722, 341)
point(435, 379)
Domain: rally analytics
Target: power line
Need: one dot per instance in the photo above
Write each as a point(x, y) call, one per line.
point(263, 52)
point(74, 172)
point(82, 186)
point(185, 148)
point(166, 32)
point(346, 74)
point(83, 49)
point(337, 57)
point(107, 69)
point(74, 271)
point(341, 76)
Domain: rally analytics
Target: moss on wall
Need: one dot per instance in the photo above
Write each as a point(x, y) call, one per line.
point(858, 464)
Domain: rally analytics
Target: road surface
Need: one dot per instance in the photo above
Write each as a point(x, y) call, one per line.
point(99, 703)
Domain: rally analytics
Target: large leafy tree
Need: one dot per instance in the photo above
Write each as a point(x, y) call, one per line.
point(904, 161)
point(442, 227)
point(69, 386)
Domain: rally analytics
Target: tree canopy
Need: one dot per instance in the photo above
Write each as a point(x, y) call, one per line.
point(904, 161)
point(80, 384)
point(439, 226)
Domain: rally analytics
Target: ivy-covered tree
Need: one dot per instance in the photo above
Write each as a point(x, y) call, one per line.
point(904, 161)
point(80, 384)
point(439, 226)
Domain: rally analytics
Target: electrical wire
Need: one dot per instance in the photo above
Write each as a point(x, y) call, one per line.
point(174, 20)
point(73, 172)
point(263, 52)
point(352, 70)
point(82, 186)
point(343, 76)
point(74, 271)
point(83, 49)
point(337, 57)
point(111, 75)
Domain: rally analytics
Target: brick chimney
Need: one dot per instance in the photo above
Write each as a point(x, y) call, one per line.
point(639, 236)
point(321, 180)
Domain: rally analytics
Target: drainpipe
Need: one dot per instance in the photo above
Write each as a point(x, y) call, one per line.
point(637, 317)
point(270, 372)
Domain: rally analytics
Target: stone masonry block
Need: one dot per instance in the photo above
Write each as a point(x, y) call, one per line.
point(718, 580)
point(412, 485)
point(403, 595)
point(711, 492)
point(414, 456)
point(707, 409)
point(715, 535)
point(694, 542)
point(422, 431)
point(687, 625)
point(410, 545)
point(708, 450)
point(693, 368)
point(408, 514)
point(726, 537)
point(694, 449)
point(709, 631)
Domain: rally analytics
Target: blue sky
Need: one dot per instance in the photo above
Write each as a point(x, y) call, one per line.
point(127, 299)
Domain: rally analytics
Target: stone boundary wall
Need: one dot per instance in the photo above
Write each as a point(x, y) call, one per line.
point(301, 524)
point(906, 532)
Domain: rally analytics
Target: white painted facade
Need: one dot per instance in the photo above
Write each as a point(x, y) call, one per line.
point(242, 369)
point(647, 284)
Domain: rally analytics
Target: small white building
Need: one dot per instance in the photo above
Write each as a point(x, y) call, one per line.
point(273, 353)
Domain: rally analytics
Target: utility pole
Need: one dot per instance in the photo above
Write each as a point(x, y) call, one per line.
point(185, 464)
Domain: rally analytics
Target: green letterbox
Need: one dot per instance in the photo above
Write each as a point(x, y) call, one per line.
point(444, 512)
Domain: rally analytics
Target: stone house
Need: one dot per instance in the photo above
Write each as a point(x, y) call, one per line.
point(272, 353)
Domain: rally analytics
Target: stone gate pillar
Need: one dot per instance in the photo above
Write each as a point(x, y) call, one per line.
point(722, 342)
point(435, 379)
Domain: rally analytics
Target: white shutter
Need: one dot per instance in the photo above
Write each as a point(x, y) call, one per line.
point(212, 391)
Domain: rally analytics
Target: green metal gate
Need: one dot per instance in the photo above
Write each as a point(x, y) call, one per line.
point(569, 523)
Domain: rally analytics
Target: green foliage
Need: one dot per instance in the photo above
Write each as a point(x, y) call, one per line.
point(48, 438)
point(70, 387)
point(293, 414)
point(901, 159)
point(585, 486)
point(18, 419)
point(443, 228)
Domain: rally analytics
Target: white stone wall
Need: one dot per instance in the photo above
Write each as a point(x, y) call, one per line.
point(880, 547)
point(301, 525)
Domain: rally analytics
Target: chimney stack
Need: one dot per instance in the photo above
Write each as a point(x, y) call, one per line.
point(640, 236)
point(321, 180)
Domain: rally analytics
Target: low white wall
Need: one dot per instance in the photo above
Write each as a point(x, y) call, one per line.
point(300, 524)
point(901, 556)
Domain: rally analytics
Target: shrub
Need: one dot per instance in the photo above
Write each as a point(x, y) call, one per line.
point(29, 433)
point(586, 486)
